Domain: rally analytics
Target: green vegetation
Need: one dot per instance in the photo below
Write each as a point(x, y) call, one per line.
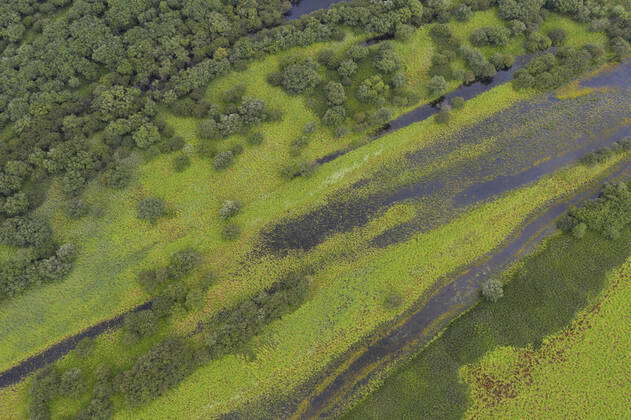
point(146, 150)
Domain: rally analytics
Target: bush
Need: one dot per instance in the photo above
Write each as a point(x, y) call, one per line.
point(437, 86)
point(172, 144)
point(299, 75)
point(462, 13)
point(153, 280)
point(229, 208)
point(579, 230)
point(334, 116)
point(357, 52)
point(538, 42)
point(347, 68)
point(230, 232)
point(138, 325)
point(255, 139)
point(489, 36)
point(77, 208)
point(502, 61)
point(181, 162)
point(335, 93)
point(457, 102)
point(557, 36)
point(160, 369)
point(393, 300)
point(223, 160)
point(492, 289)
point(116, 176)
point(234, 94)
point(207, 129)
point(404, 32)
point(71, 382)
point(296, 169)
point(151, 209)
point(373, 90)
point(443, 116)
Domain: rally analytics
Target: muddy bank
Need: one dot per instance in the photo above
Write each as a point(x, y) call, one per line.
point(57, 351)
point(518, 146)
point(445, 305)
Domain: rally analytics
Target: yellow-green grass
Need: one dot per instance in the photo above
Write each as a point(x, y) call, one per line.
point(580, 372)
point(347, 303)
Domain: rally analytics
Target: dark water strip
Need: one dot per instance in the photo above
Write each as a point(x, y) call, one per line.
point(304, 7)
point(445, 305)
point(423, 112)
point(57, 351)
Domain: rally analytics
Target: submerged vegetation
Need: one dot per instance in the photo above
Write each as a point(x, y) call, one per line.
point(254, 187)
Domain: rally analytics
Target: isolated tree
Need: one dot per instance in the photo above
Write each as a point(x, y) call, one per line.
point(299, 75)
point(492, 289)
point(437, 86)
point(151, 209)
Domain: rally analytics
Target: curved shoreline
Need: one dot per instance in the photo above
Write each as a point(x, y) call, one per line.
point(431, 316)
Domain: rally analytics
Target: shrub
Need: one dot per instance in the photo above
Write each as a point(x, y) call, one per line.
point(347, 68)
point(223, 160)
point(357, 52)
point(373, 90)
point(334, 116)
point(77, 208)
point(151, 209)
point(229, 208)
point(299, 75)
point(579, 230)
point(230, 232)
point(437, 86)
point(557, 36)
point(538, 42)
point(255, 138)
point(489, 36)
point(207, 129)
point(393, 300)
point(138, 325)
point(181, 162)
point(404, 32)
point(234, 94)
point(160, 369)
point(443, 116)
point(172, 144)
point(335, 93)
point(71, 382)
point(492, 289)
point(462, 13)
point(296, 169)
point(116, 176)
point(502, 61)
point(457, 102)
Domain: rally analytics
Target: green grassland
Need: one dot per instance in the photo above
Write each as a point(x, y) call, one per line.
point(115, 245)
point(514, 348)
point(582, 371)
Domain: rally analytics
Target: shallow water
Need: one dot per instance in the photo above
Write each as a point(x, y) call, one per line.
point(305, 7)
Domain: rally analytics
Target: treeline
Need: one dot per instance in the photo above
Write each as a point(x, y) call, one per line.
point(608, 215)
point(171, 359)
